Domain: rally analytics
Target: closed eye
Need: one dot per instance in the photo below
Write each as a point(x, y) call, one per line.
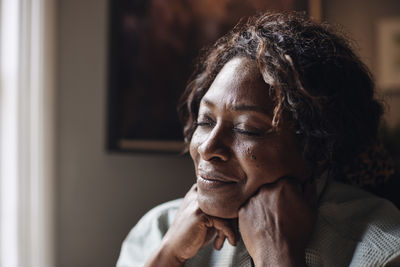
point(205, 122)
point(256, 133)
point(252, 131)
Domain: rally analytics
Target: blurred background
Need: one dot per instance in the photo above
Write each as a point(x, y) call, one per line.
point(68, 201)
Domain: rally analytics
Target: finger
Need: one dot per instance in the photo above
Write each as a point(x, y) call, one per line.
point(219, 240)
point(283, 181)
point(208, 221)
point(235, 228)
point(227, 228)
point(211, 233)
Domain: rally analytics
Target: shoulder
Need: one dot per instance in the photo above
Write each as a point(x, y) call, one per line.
point(359, 226)
point(346, 203)
point(156, 221)
point(160, 216)
point(147, 234)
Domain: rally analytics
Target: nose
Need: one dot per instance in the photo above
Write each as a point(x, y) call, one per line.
point(215, 145)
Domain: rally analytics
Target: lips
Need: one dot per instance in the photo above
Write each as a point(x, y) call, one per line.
point(213, 180)
point(216, 178)
point(213, 175)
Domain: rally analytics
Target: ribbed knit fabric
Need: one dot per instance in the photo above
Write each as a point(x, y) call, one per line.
point(354, 228)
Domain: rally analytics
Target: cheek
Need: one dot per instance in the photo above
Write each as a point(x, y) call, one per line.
point(258, 161)
point(192, 150)
point(265, 163)
point(193, 147)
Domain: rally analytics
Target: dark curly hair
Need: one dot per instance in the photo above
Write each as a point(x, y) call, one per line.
point(315, 80)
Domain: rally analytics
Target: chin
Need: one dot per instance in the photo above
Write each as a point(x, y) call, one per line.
point(220, 209)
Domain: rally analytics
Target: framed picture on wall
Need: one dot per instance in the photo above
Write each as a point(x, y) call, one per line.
point(389, 54)
point(152, 47)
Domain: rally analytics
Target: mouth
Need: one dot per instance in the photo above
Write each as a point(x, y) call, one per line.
point(209, 182)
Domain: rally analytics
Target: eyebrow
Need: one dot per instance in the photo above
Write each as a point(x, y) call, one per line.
point(240, 107)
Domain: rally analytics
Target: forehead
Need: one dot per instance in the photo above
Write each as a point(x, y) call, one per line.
point(239, 83)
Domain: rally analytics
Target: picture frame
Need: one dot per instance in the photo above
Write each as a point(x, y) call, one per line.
point(388, 45)
point(152, 49)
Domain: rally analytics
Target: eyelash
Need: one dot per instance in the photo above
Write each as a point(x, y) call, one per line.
point(204, 124)
point(210, 123)
point(249, 133)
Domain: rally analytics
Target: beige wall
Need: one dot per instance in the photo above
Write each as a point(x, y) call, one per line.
point(99, 196)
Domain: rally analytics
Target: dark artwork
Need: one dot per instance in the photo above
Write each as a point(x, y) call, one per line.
point(153, 44)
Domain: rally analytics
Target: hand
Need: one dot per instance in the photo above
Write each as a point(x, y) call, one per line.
point(190, 231)
point(277, 222)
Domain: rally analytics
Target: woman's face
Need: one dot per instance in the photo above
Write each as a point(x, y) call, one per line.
point(233, 148)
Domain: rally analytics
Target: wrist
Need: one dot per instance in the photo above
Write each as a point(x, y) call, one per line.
point(283, 262)
point(285, 258)
point(164, 256)
point(168, 251)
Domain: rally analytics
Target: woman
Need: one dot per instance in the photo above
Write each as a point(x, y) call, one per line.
point(275, 112)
